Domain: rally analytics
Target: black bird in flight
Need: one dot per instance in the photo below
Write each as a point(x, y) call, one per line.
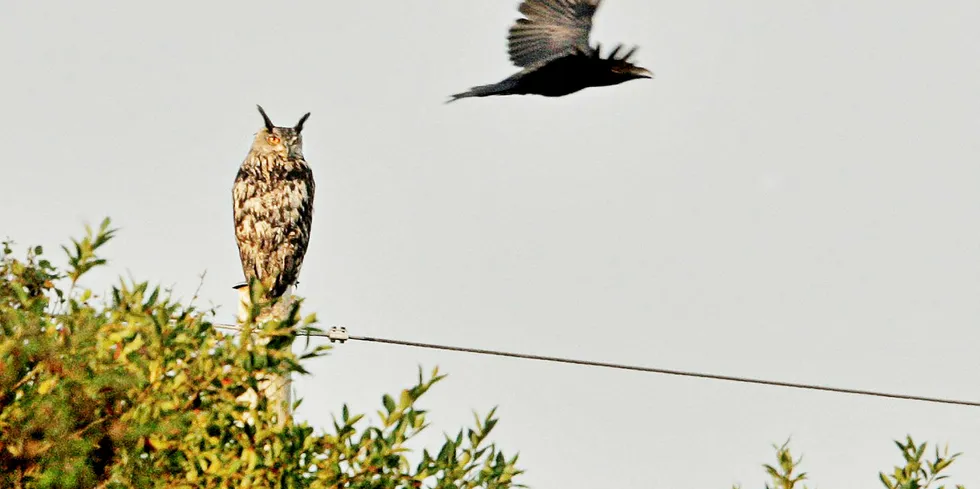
point(551, 45)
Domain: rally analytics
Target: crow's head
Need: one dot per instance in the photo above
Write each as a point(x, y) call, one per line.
point(620, 67)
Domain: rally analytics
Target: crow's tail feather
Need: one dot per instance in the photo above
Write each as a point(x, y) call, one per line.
point(502, 88)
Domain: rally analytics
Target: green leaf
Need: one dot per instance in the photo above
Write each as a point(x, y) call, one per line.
point(389, 403)
point(133, 345)
point(45, 386)
point(405, 401)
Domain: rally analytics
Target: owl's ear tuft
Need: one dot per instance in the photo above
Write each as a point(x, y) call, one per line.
point(302, 120)
point(268, 122)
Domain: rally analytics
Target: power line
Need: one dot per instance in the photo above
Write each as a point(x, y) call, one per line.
point(341, 335)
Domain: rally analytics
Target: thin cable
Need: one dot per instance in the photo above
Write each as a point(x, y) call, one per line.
point(667, 371)
point(636, 368)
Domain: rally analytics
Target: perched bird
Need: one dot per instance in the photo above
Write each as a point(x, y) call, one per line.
point(273, 206)
point(551, 44)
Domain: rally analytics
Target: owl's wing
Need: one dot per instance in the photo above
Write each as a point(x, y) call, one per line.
point(551, 29)
point(248, 240)
point(301, 189)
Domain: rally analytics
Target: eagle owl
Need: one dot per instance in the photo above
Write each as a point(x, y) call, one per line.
point(273, 200)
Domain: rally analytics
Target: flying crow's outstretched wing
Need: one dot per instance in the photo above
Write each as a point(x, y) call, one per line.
point(551, 29)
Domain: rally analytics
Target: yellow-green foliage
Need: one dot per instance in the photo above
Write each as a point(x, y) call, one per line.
point(915, 473)
point(136, 390)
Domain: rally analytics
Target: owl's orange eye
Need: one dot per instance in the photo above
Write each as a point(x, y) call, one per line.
point(273, 139)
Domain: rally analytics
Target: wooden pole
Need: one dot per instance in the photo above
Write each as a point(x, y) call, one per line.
point(277, 389)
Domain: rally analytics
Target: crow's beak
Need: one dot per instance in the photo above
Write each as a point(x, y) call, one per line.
point(642, 73)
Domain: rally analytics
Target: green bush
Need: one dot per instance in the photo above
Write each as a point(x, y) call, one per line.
point(136, 390)
point(914, 473)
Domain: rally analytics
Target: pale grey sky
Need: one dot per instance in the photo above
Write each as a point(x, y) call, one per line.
point(793, 197)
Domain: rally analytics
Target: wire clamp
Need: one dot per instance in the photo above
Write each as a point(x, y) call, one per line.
point(338, 334)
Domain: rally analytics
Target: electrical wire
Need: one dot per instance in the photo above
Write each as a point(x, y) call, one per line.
point(341, 335)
